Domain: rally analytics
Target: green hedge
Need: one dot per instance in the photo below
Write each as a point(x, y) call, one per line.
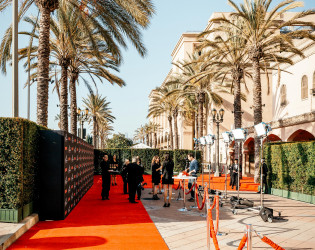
point(18, 162)
point(146, 156)
point(291, 166)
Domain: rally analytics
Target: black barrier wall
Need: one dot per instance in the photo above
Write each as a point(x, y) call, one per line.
point(66, 173)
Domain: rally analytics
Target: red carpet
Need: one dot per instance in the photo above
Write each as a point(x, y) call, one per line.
point(246, 183)
point(97, 224)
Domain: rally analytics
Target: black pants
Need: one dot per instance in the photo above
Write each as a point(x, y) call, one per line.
point(105, 186)
point(190, 183)
point(235, 180)
point(231, 178)
point(125, 185)
point(139, 188)
point(132, 186)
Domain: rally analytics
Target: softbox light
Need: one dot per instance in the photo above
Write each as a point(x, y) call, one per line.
point(227, 136)
point(262, 129)
point(239, 134)
point(203, 141)
point(209, 139)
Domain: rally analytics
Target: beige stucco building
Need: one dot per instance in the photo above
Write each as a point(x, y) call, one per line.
point(289, 107)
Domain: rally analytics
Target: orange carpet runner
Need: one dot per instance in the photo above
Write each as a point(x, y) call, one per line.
point(97, 224)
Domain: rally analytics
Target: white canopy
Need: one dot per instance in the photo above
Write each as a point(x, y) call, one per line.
point(140, 145)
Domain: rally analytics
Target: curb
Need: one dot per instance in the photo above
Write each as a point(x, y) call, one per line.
point(26, 224)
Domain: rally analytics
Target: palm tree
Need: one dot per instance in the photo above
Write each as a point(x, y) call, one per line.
point(121, 18)
point(99, 113)
point(261, 28)
point(154, 128)
point(167, 100)
point(202, 86)
point(227, 54)
point(189, 111)
point(71, 47)
point(140, 134)
point(105, 130)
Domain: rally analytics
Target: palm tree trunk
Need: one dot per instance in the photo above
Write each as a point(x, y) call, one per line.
point(196, 126)
point(94, 131)
point(257, 103)
point(193, 129)
point(43, 65)
point(171, 131)
point(64, 63)
point(200, 114)
point(237, 75)
point(175, 114)
point(73, 103)
point(155, 140)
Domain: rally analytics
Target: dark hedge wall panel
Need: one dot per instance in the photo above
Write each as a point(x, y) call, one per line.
point(291, 166)
point(66, 173)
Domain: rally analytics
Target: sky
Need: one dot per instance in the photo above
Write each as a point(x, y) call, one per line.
point(130, 103)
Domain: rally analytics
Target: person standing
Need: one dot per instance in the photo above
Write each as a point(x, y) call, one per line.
point(124, 175)
point(139, 178)
point(231, 172)
point(264, 176)
point(133, 171)
point(167, 179)
point(192, 171)
point(105, 177)
point(115, 168)
point(235, 174)
point(156, 176)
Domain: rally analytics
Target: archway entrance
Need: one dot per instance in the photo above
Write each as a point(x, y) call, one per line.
point(301, 135)
point(249, 157)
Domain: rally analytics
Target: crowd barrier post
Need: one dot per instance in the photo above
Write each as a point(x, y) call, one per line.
point(208, 222)
point(249, 230)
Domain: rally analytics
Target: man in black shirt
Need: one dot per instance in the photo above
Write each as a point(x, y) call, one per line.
point(105, 178)
point(134, 171)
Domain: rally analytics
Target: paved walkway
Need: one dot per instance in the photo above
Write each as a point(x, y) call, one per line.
point(187, 230)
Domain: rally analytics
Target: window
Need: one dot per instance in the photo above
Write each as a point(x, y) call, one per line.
point(304, 88)
point(283, 95)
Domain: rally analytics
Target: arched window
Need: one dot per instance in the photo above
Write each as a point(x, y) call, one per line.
point(304, 88)
point(283, 95)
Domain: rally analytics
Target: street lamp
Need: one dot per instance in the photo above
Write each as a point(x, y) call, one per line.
point(217, 117)
point(82, 117)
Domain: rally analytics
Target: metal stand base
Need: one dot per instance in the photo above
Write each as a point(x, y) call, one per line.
point(221, 234)
point(184, 209)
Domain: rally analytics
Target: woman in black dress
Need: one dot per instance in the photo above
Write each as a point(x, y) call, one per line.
point(115, 168)
point(167, 179)
point(156, 176)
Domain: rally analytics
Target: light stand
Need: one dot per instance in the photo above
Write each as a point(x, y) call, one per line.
point(203, 143)
point(227, 138)
point(239, 135)
point(210, 141)
point(262, 129)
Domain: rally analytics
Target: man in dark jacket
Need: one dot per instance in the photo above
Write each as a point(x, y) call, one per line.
point(192, 171)
point(264, 175)
point(124, 175)
point(105, 178)
point(134, 171)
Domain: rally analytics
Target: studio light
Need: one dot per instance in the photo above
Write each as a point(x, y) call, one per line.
point(209, 139)
point(227, 136)
point(239, 134)
point(262, 129)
